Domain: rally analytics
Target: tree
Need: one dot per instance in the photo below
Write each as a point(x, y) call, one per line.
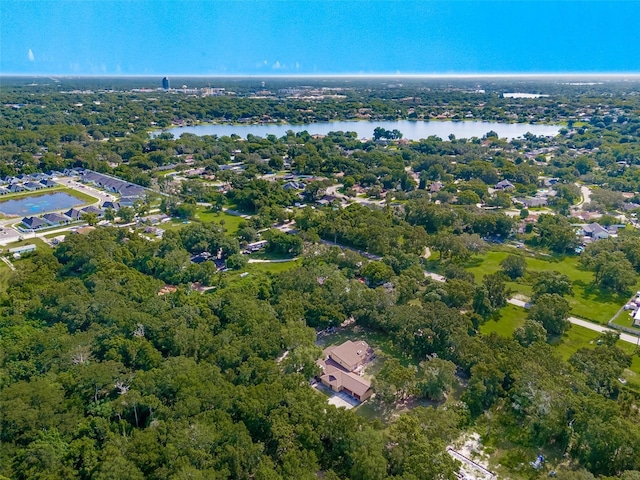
point(90, 217)
point(236, 261)
point(110, 214)
point(613, 271)
point(602, 366)
point(435, 379)
point(514, 266)
point(484, 388)
point(394, 379)
point(556, 233)
point(496, 290)
point(314, 190)
point(551, 281)
point(531, 332)
point(185, 210)
point(283, 243)
point(552, 311)
point(468, 197)
point(126, 214)
point(377, 273)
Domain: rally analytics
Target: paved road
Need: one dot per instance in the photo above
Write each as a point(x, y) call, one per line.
point(625, 337)
point(586, 197)
point(596, 327)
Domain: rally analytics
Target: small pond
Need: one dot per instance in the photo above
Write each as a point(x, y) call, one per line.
point(36, 204)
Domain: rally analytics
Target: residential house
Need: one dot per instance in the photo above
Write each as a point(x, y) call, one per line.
point(33, 223)
point(48, 183)
point(23, 249)
point(341, 366)
point(594, 231)
point(350, 355)
point(91, 209)
point(435, 187)
point(74, 213)
point(255, 246)
point(334, 377)
point(530, 202)
point(293, 186)
point(504, 185)
point(128, 201)
point(56, 218)
point(33, 186)
point(112, 205)
point(201, 257)
point(15, 188)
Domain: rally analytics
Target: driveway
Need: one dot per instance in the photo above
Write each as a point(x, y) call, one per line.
point(339, 399)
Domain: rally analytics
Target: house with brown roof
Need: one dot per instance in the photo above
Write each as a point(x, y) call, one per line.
point(350, 355)
point(341, 369)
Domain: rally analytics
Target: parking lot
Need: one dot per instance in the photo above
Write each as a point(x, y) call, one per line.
point(8, 235)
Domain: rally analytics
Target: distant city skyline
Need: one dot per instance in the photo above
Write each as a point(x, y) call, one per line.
point(303, 38)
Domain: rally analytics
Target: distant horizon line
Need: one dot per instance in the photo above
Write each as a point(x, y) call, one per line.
point(581, 75)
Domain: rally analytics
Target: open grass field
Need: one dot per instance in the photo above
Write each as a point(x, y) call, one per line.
point(229, 222)
point(5, 273)
point(577, 337)
point(508, 319)
point(572, 340)
point(27, 241)
point(588, 302)
point(260, 268)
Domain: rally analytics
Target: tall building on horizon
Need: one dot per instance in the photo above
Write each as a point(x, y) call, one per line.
point(165, 83)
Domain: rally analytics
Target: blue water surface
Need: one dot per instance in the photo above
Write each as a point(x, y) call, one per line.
point(29, 205)
point(411, 130)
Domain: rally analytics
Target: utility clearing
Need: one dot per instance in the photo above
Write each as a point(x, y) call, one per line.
point(474, 462)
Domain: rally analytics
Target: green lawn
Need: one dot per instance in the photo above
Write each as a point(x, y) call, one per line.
point(5, 273)
point(272, 267)
point(254, 269)
point(577, 337)
point(508, 319)
point(229, 222)
point(572, 340)
point(262, 255)
point(588, 302)
point(28, 241)
point(79, 195)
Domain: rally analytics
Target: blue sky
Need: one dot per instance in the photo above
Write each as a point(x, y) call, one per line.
point(291, 37)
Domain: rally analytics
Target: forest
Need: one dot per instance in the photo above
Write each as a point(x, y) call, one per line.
point(102, 377)
point(115, 362)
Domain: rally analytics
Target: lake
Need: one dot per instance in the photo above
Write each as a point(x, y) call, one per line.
point(411, 130)
point(35, 205)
